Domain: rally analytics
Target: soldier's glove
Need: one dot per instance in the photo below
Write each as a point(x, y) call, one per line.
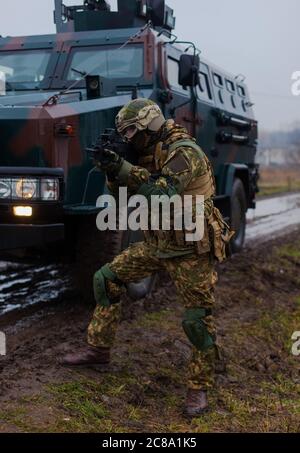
point(109, 162)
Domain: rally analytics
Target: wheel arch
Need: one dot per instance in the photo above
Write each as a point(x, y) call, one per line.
point(240, 171)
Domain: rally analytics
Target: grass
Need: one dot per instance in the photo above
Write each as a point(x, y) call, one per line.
point(16, 416)
point(289, 251)
point(278, 180)
point(82, 406)
point(154, 319)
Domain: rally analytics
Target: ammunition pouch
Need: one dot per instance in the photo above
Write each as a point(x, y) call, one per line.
point(202, 185)
point(100, 291)
point(221, 234)
point(196, 329)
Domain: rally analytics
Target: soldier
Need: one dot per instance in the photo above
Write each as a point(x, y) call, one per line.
point(170, 162)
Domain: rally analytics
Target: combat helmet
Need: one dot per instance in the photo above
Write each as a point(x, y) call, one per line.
point(139, 115)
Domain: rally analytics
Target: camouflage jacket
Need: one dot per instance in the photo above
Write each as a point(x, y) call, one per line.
point(174, 165)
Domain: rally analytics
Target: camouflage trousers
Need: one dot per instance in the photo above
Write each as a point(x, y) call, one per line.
point(194, 278)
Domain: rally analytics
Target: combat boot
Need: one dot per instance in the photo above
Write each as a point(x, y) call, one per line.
point(90, 355)
point(196, 403)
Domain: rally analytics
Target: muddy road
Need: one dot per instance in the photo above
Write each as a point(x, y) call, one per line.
point(273, 216)
point(24, 285)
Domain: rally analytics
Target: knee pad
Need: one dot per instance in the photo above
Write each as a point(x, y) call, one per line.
point(100, 290)
point(196, 330)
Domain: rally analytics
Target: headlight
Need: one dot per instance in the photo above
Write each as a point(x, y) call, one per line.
point(49, 189)
point(5, 188)
point(27, 189)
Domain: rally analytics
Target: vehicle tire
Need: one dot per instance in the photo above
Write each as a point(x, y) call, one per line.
point(238, 215)
point(95, 248)
point(91, 250)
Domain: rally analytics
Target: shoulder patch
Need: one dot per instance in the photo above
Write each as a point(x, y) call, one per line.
point(177, 164)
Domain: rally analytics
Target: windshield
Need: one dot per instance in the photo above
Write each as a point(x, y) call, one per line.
point(24, 66)
point(109, 63)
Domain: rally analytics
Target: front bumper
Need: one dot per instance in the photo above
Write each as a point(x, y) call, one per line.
point(23, 236)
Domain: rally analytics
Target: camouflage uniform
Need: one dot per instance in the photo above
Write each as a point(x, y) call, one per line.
point(182, 168)
point(194, 278)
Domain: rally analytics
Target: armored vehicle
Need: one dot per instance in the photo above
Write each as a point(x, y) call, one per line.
point(62, 91)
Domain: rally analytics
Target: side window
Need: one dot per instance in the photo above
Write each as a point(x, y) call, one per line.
point(173, 74)
point(241, 91)
point(204, 90)
point(218, 80)
point(230, 86)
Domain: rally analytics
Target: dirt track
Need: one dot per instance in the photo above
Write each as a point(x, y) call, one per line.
point(258, 309)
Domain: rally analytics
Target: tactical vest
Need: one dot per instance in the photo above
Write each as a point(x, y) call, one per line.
point(217, 233)
point(203, 185)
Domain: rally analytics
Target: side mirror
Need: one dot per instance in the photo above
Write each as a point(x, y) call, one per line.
point(189, 67)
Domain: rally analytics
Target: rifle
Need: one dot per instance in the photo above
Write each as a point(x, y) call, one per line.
point(110, 140)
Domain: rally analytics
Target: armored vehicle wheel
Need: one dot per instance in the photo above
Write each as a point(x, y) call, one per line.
point(91, 250)
point(238, 215)
point(95, 248)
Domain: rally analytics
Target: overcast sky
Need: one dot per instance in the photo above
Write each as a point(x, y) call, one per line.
point(258, 38)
